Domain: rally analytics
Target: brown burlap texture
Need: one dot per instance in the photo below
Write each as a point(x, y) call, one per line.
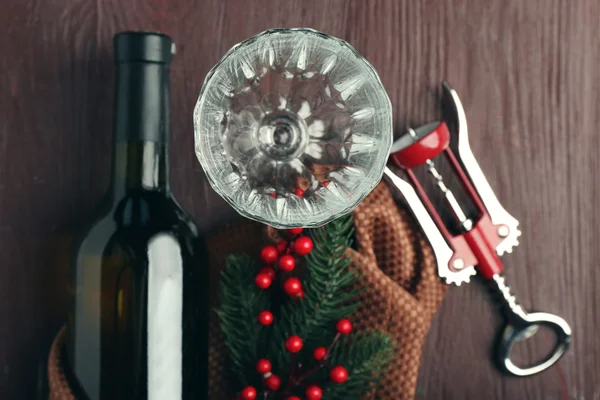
point(401, 293)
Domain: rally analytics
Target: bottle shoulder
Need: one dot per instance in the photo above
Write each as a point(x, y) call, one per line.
point(137, 218)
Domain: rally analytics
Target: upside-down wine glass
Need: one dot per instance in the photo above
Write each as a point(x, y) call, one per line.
point(293, 128)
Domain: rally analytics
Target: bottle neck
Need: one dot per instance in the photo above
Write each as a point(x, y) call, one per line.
point(140, 165)
point(141, 127)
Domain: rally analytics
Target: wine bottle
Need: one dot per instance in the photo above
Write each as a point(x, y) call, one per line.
point(138, 328)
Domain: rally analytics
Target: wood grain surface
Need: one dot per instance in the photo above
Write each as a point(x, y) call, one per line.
point(526, 70)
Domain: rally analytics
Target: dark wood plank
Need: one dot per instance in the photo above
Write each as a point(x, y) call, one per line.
point(526, 71)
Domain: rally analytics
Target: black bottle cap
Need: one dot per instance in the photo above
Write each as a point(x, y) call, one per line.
point(152, 47)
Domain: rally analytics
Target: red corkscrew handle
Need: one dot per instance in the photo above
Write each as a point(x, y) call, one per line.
point(427, 146)
point(488, 262)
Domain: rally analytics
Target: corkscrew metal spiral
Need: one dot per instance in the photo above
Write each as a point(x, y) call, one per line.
point(476, 249)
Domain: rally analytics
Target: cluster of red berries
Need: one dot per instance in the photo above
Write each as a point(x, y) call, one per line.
point(281, 257)
point(298, 192)
point(338, 374)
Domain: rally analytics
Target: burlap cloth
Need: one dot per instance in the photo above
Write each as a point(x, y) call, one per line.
point(402, 293)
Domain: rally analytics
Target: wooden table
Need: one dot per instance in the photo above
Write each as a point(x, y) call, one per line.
point(527, 72)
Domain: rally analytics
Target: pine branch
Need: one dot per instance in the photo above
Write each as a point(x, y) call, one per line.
point(329, 295)
point(240, 304)
point(366, 357)
point(329, 291)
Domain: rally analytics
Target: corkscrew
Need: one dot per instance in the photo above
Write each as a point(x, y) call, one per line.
point(480, 242)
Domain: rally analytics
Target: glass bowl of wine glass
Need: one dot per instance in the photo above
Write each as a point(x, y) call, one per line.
point(293, 128)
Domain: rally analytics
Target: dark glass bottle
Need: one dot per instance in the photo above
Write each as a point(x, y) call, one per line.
point(139, 323)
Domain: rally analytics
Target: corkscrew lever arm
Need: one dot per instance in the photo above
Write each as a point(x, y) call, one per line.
point(521, 325)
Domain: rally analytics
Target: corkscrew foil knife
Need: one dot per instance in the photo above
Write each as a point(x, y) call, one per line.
point(476, 249)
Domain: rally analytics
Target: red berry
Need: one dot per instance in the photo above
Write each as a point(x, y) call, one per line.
point(282, 246)
point(325, 184)
point(293, 344)
point(319, 353)
point(303, 245)
point(269, 254)
point(338, 374)
point(293, 398)
point(263, 281)
point(313, 392)
point(344, 326)
point(299, 192)
point(265, 317)
point(300, 295)
point(273, 195)
point(263, 366)
point(248, 393)
point(295, 231)
point(273, 382)
point(292, 286)
point(268, 271)
point(286, 263)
